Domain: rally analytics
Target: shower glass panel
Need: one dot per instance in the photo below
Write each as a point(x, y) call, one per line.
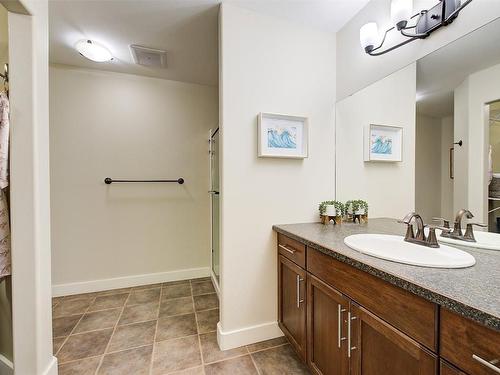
point(215, 196)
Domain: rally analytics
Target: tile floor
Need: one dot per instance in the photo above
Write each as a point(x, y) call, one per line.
point(158, 329)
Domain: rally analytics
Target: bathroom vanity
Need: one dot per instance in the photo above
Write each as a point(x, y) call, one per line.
point(349, 313)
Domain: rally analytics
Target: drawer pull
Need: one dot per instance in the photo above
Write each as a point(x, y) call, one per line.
point(299, 301)
point(349, 347)
point(291, 251)
point(486, 363)
point(339, 328)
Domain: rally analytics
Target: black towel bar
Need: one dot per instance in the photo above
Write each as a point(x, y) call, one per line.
point(109, 180)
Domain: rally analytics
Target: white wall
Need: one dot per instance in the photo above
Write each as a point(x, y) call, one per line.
point(356, 70)
point(125, 126)
point(428, 167)
point(267, 65)
point(389, 188)
point(472, 126)
point(30, 189)
point(446, 182)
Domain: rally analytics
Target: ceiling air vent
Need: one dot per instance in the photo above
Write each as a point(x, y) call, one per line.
point(154, 58)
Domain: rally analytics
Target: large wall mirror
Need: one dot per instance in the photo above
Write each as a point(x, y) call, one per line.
point(448, 107)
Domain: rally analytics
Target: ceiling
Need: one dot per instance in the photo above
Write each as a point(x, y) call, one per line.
point(439, 73)
point(186, 29)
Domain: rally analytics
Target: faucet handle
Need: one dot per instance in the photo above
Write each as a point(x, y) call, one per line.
point(431, 237)
point(446, 223)
point(469, 233)
point(482, 225)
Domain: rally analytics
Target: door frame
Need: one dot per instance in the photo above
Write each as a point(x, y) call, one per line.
point(211, 133)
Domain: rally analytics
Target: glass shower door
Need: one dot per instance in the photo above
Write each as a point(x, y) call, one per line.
point(215, 196)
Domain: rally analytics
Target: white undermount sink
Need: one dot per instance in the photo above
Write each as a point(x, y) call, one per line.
point(395, 249)
point(484, 240)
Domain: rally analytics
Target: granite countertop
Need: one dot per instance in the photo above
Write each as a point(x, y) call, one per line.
point(472, 292)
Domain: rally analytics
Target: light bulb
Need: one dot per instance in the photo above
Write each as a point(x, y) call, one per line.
point(401, 12)
point(368, 36)
point(93, 50)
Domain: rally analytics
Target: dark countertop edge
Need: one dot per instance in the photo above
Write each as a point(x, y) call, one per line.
point(451, 304)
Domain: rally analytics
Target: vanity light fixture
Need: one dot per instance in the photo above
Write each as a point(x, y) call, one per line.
point(93, 50)
point(426, 22)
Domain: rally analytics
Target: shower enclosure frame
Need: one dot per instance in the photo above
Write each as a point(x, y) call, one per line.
point(214, 195)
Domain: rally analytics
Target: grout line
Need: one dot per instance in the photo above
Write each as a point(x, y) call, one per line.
point(81, 359)
point(271, 347)
point(151, 362)
point(253, 361)
point(79, 320)
point(197, 329)
point(112, 334)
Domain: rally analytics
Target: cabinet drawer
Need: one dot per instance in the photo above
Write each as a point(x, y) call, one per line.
point(469, 345)
point(407, 312)
point(292, 249)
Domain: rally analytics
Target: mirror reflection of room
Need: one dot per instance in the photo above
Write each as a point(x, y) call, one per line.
point(494, 168)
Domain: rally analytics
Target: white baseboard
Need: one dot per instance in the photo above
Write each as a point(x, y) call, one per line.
point(248, 335)
point(6, 366)
point(52, 368)
point(128, 281)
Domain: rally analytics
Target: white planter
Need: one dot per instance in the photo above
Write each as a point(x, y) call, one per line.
point(330, 210)
point(357, 212)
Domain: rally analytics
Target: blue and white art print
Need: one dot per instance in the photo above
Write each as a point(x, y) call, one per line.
point(383, 143)
point(282, 136)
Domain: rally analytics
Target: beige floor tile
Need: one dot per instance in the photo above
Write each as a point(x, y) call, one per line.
point(73, 297)
point(176, 306)
point(175, 355)
point(201, 279)
point(204, 287)
point(148, 286)
point(177, 282)
point(207, 320)
point(267, 344)
point(64, 325)
point(113, 291)
point(98, 320)
point(211, 352)
point(236, 366)
point(139, 313)
point(176, 291)
point(133, 361)
point(279, 360)
point(108, 302)
point(133, 335)
point(71, 307)
point(191, 371)
point(84, 345)
point(138, 297)
point(81, 367)
point(176, 326)
point(56, 344)
point(206, 302)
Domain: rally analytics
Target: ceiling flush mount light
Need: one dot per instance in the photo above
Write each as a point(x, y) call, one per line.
point(413, 27)
point(93, 50)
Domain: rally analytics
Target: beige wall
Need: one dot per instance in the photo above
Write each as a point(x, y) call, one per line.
point(428, 167)
point(356, 70)
point(389, 188)
point(5, 286)
point(125, 126)
point(268, 65)
point(447, 193)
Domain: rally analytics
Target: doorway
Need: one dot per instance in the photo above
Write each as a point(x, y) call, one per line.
point(214, 203)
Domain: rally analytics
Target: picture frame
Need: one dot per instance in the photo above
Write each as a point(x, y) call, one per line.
point(383, 143)
point(282, 136)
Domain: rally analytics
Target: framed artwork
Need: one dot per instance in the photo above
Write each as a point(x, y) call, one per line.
point(383, 143)
point(282, 136)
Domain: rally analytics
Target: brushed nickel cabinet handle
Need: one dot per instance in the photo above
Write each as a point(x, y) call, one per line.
point(349, 347)
point(291, 251)
point(299, 301)
point(485, 363)
point(339, 316)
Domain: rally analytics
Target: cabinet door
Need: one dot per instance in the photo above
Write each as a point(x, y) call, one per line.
point(447, 369)
point(375, 347)
point(291, 305)
point(326, 329)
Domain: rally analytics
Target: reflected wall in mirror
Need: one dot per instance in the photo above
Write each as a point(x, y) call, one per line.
point(458, 90)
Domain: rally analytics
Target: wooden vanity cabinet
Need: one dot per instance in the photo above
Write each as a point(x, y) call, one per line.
point(292, 303)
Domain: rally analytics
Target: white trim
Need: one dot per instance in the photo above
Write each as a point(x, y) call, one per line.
point(128, 281)
point(248, 335)
point(6, 366)
point(52, 368)
point(216, 284)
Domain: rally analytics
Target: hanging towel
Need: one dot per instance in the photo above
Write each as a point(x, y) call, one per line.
point(5, 264)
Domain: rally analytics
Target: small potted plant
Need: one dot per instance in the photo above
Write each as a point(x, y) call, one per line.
point(357, 210)
point(331, 210)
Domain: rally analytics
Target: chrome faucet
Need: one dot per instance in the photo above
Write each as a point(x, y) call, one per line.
point(457, 234)
point(419, 238)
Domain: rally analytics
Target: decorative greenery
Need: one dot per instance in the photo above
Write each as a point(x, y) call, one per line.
point(356, 205)
point(339, 207)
